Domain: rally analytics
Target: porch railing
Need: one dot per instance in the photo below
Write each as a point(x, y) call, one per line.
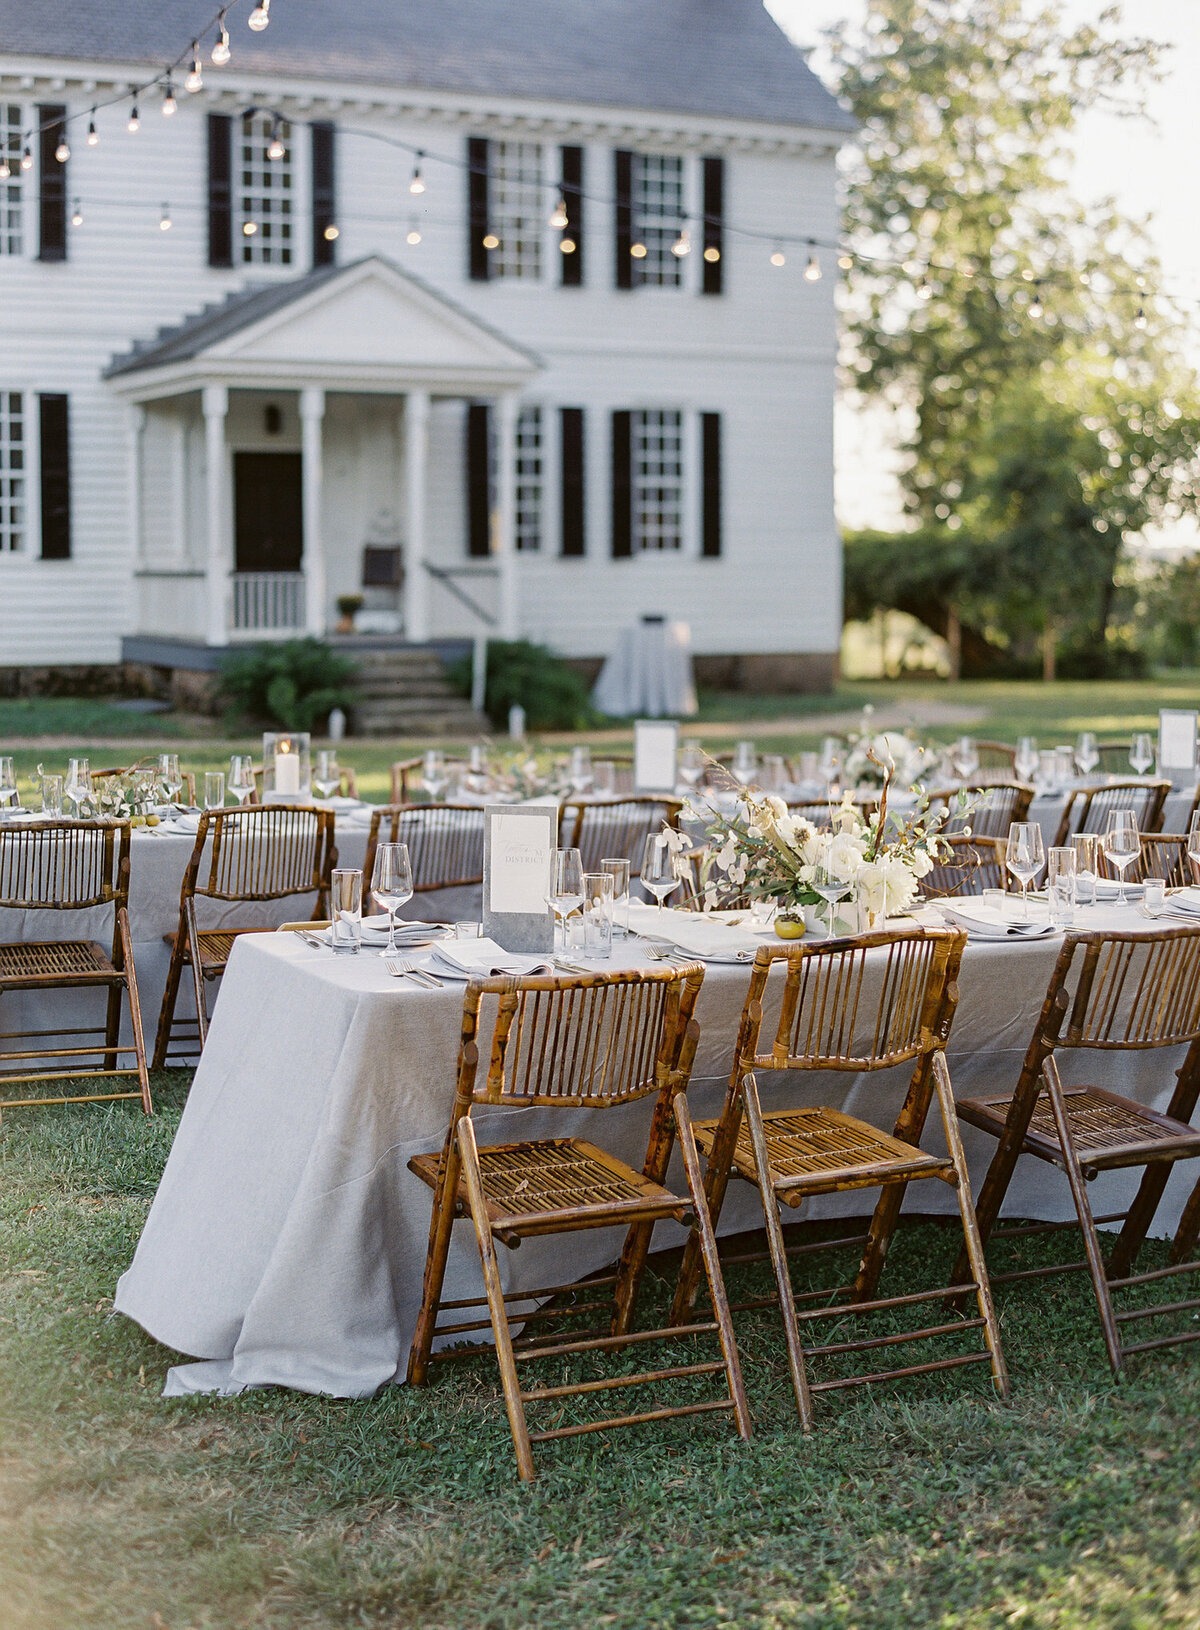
point(268, 602)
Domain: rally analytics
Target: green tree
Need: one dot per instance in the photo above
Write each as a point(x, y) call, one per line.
point(1028, 347)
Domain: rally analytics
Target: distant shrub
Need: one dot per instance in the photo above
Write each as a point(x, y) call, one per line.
point(1114, 659)
point(553, 695)
point(295, 684)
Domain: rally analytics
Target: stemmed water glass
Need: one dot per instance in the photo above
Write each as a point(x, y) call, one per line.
point(241, 776)
point(1087, 754)
point(1193, 841)
point(659, 874)
point(566, 887)
point(964, 756)
point(1025, 855)
point(1141, 753)
point(326, 777)
point(478, 774)
point(579, 769)
point(745, 763)
point(77, 790)
point(1122, 845)
point(8, 784)
point(827, 884)
point(1025, 760)
point(170, 775)
point(691, 763)
point(433, 773)
point(391, 886)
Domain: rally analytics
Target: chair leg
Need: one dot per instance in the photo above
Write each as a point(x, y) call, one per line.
point(135, 1011)
point(1138, 1219)
point(441, 1227)
point(198, 979)
point(778, 1250)
point(1083, 1209)
point(716, 1181)
point(166, 1013)
point(712, 1267)
point(632, 1264)
point(1186, 1235)
point(973, 1244)
point(1003, 1165)
point(469, 1154)
point(112, 1027)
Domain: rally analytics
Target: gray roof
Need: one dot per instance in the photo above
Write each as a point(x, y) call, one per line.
point(724, 58)
point(182, 341)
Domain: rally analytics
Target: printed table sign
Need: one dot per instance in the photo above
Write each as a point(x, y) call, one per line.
point(1176, 742)
point(518, 851)
point(654, 747)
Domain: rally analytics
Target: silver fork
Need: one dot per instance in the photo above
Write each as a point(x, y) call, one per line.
point(403, 968)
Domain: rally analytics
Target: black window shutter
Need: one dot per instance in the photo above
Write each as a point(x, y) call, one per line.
point(55, 443)
point(622, 484)
point(714, 226)
point(53, 212)
point(571, 159)
point(220, 189)
point(710, 508)
point(324, 202)
point(574, 537)
point(479, 498)
point(479, 260)
point(623, 191)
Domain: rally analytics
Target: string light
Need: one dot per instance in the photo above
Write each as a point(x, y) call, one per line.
point(683, 244)
point(275, 147)
point(92, 137)
point(249, 228)
point(164, 220)
point(195, 79)
point(5, 171)
point(638, 251)
point(491, 241)
point(169, 103)
point(62, 152)
point(1035, 305)
point(77, 214)
point(331, 233)
point(260, 16)
point(134, 124)
point(560, 219)
point(712, 254)
point(414, 234)
point(417, 186)
point(1140, 320)
point(812, 272)
point(220, 51)
point(846, 262)
point(567, 246)
point(778, 258)
point(27, 158)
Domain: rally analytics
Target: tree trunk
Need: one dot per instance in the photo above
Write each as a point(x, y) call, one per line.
point(1049, 652)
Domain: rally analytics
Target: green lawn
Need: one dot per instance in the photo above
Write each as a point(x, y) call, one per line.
point(922, 1504)
point(997, 710)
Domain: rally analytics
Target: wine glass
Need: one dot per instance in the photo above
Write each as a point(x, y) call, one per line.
point(964, 755)
point(1141, 753)
point(827, 884)
point(1193, 842)
point(1122, 845)
point(8, 785)
point(745, 763)
point(241, 776)
point(566, 886)
point(604, 777)
point(1087, 754)
point(391, 886)
point(77, 790)
point(579, 769)
point(326, 777)
point(170, 776)
point(691, 763)
point(1025, 760)
point(479, 773)
point(433, 773)
point(659, 875)
point(1025, 855)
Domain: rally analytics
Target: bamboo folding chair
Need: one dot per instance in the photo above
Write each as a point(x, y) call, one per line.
point(827, 1022)
point(259, 852)
point(590, 1042)
point(1164, 855)
point(65, 865)
point(1112, 992)
point(994, 807)
point(445, 843)
point(974, 864)
point(1114, 757)
point(615, 829)
point(997, 761)
point(1088, 808)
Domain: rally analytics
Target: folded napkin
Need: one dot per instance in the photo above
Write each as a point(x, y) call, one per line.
point(1107, 889)
point(984, 922)
point(693, 933)
point(481, 959)
point(1185, 901)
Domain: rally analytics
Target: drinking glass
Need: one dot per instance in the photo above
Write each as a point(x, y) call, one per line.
point(8, 785)
point(566, 886)
point(326, 777)
point(691, 763)
point(1046, 775)
point(1025, 855)
point(830, 887)
point(433, 772)
point(1154, 897)
point(170, 776)
point(468, 931)
point(214, 789)
point(241, 776)
point(774, 772)
point(604, 777)
point(1122, 845)
point(391, 886)
point(745, 762)
point(1065, 772)
point(1025, 761)
point(1193, 842)
point(618, 869)
point(659, 876)
point(1087, 866)
point(1087, 754)
point(1141, 753)
point(598, 915)
point(761, 911)
point(579, 769)
point(77, 793)
point(1061, 873)
point(830, 760)
point(345, 905)
point(479, 773)
point(964, 755)
point(52, 791)
point(808, 769)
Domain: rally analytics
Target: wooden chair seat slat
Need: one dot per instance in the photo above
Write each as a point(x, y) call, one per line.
point(819, 1149)
point(216, 944)
point(1106, 1129)
point(51, 960)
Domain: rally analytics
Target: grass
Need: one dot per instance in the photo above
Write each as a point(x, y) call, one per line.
point(926, 1503)
point(998, 710)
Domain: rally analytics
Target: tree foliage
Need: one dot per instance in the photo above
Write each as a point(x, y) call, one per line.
point(1029, 346)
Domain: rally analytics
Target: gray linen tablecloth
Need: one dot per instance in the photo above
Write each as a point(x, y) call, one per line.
point(286, 1243)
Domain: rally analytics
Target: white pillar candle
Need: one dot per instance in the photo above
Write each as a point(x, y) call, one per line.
point(287, 772)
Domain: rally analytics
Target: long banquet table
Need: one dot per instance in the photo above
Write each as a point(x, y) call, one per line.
point(287, 1239)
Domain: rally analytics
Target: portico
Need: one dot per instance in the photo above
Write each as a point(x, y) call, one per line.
point(275, 439)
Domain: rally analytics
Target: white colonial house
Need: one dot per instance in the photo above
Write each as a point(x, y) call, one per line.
point(473, 307)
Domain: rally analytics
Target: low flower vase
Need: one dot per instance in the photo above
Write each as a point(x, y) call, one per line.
point(845, 919)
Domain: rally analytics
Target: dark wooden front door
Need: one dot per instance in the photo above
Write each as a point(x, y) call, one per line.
point(268, 528)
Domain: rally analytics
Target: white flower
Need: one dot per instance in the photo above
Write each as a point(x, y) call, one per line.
point(777, 806)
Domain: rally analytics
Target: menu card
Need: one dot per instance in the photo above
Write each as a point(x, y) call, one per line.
point(519, 844)
point(654, 746)
point(1176, 742)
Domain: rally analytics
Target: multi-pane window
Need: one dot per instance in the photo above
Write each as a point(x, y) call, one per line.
point(529, 478)
point(658, 479)
point(10, 190)
point(265, 212)
point(658, 216)
point(12, 472)
point(517, 208)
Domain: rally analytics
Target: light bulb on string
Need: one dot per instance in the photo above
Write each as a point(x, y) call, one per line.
point(62, 152)
point(169, 104)
point(1036, 309)
point(413, 236)
point(778, 258)
point(417, 185)
point(846, 262)
point(567, 246)
point(220, 51)
point(491, 241)
point(26, 158)
point(275, 147)
point(260, 16)
point(559, 219)
point(1140, 320)
point(133, 123)
point(712, 254)
point(638, 251)
point(92, 137)
point(195, 79)
point(249, 228)
point(5, 169)
point(812, 272)
point(77, 214)
point(331, 233)
point(924, 290)
point(164, 220)
point(683, 244)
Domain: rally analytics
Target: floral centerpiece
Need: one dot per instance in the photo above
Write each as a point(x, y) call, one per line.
point(526, 773)
point(868, 751)
point(135, 795)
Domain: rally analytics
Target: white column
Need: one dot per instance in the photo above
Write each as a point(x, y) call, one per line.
point(504, 532)
point(136, 422)
point(217, 561)
point(312, 412)
point(416, 459)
